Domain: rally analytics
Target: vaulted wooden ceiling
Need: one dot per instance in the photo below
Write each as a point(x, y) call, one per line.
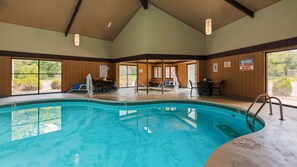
point(194, 12)
point(94, 15)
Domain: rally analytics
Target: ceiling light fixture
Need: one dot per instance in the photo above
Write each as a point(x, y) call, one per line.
point(109, 24)
point(76, 39)
point(208, 25)
point(76, 36)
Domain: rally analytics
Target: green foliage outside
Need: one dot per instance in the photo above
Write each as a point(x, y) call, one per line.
point(26, 74)
point(56, 84)
point(282, 87)
point(29, 83)
point(280, 62)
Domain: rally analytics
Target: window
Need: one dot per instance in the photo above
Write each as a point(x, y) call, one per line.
point(170, 71)
point(157, 72)
point(35, 76)
point(282, 76)
point(128, 76)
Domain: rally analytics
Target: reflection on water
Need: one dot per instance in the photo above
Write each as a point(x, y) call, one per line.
point(183, 118)
point(35, 121)
point(159, 135)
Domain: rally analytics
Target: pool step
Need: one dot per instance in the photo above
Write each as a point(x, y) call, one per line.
point(228, 131)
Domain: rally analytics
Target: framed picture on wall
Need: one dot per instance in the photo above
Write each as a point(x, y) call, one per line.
point(215, 67)
point(103, 71)
point(227, 64)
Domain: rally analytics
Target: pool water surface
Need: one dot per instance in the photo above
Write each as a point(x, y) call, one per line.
point(62, 134)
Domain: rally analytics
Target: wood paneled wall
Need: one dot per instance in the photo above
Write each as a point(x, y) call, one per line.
point(5, 76)
point(142, 76)
point(201, 70)
point(246, 84)
point(74, 71)
point(182, 75)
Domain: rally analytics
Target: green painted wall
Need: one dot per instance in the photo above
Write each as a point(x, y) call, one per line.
point(153, 31)
point(26, 39)
point(270, 24)
point(131, 40)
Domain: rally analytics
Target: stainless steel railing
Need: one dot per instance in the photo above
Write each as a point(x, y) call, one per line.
point(268, 99)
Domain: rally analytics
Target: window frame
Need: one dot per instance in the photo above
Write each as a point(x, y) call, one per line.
point(38, 73)
point(158, 72)
point(127, 75)
point(170, 76)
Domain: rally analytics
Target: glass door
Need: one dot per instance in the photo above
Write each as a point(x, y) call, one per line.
point(128, 76)
point(123, 76)
point(132, 76)
point(191, 72)
point(35, 76)
point(282, 76)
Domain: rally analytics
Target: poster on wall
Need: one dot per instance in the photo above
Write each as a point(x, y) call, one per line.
point(246, 65)
point(215, 67)
point(103, 71)
point(227, 64)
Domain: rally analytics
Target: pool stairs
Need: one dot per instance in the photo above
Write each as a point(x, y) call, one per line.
point(268, 98)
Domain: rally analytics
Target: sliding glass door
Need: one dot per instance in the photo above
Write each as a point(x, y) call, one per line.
point(128, 76)
point(192, 75)
point(282, 76)
point(35, 76)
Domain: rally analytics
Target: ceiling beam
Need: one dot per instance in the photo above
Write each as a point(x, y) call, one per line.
point(241, 7)
point(73, 17)
point(144, 4)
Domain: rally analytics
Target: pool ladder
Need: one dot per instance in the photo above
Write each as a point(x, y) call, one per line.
point(268, 99)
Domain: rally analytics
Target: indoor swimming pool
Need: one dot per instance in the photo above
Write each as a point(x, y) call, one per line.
point(91, 133)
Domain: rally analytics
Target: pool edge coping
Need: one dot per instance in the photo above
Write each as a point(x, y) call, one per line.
point(137, 102)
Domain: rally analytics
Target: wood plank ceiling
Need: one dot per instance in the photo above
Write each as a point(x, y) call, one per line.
point(92, 19)
point(94, 15)
point(194, 12)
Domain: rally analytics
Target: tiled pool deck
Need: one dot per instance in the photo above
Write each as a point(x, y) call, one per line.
point(275, 145)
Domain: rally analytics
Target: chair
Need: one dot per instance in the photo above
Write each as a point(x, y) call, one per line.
point(114, 85)
point(218, 87)
point(78, 87)
point(205, 87)
point(192, 87)
point(168, 83)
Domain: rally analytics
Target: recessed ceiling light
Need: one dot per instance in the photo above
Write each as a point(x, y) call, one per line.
point(109, 24)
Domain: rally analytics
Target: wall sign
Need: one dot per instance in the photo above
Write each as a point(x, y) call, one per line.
point(103, 71)
point(140, 70)
point(246, 65)
point(215, 67)
point(227, 64)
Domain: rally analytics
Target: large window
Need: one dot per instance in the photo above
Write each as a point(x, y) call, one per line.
point(128, 76)
point(35, 76)
point(170, 71)
point(282, 76)
point(157, 72)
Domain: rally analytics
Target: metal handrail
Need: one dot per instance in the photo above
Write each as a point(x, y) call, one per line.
point(141, 83)
point(280, 108)
point(261, 107)
point(255, 101)
point(136, 83)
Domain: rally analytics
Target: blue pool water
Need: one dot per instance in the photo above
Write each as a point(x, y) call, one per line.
point(62, 134)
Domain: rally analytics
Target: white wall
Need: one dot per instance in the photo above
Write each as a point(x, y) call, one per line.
point(153, 31)
point(273, 23)
point(26, 39)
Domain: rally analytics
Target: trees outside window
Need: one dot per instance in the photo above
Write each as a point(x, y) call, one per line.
point(282, 75)
point(35, 76)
